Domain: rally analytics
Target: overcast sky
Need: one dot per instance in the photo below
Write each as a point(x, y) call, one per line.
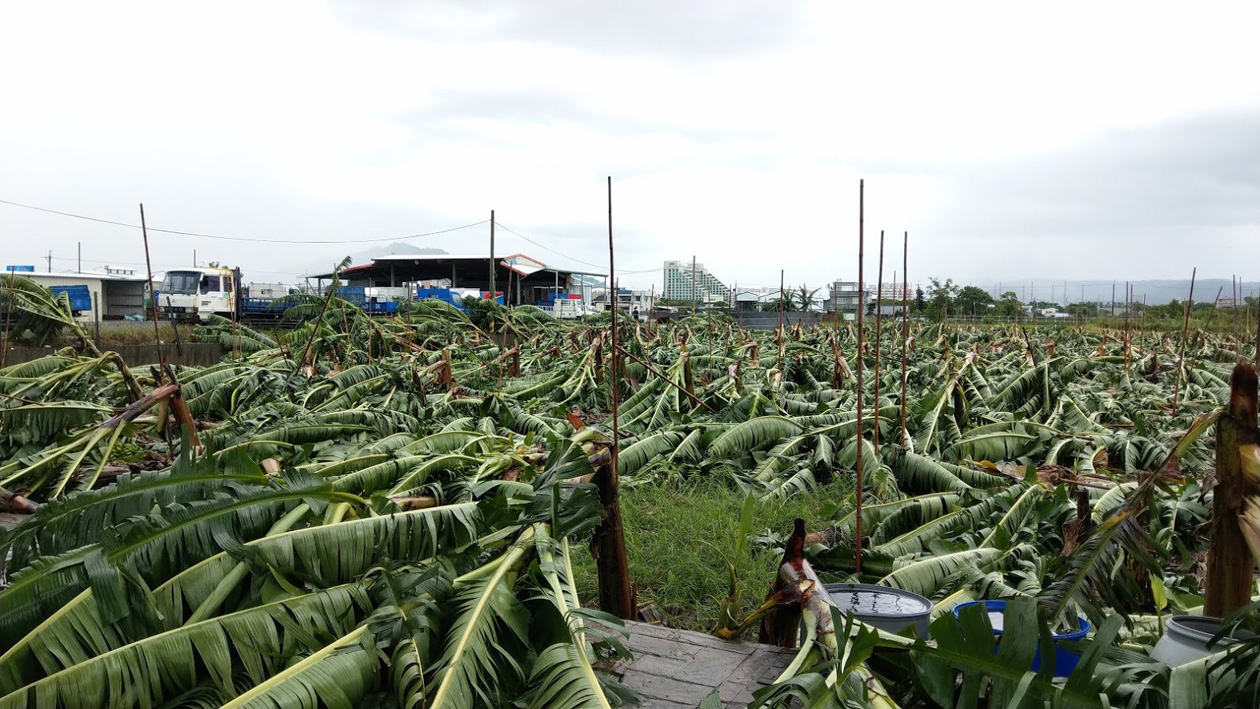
point(1075, 141)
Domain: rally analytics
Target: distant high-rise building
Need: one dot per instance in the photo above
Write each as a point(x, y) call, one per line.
point(705, 288)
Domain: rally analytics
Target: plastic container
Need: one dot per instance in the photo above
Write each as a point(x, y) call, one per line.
point(1065, 660)
point(1187, 638)
point(890, 609)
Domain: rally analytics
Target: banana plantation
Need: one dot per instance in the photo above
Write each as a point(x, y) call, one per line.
point(367, 512)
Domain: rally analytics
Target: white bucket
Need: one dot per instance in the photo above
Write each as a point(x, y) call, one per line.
point(1186, 639)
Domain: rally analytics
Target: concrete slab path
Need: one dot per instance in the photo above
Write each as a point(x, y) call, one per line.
point(677, 669)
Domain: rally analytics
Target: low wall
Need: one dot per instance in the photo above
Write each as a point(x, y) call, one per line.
point(194, 353)
point(769, 321)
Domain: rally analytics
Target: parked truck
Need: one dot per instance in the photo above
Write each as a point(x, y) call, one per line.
point(198, 293)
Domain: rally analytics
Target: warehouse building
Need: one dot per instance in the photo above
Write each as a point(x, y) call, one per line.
point(118, 293)
point(520, 279)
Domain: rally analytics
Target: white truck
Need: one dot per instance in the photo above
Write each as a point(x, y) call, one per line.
point(566, 309)
point(200, 292)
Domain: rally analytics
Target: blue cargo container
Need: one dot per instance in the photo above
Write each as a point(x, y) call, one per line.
point(80, 297)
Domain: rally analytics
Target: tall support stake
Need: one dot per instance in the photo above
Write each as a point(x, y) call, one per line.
point(879, 320)
point(1233, 306)
point(1128, 326)
point(613, 569)
point(857, 494)
point(1181, 354)
point(1231, 563)
point(781, 338)
point(152, 304)
point(905, 326)
point(8, 318)
point(693, 285)
point(493, 292)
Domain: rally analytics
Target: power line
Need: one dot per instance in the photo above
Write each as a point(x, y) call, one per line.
point(566, 256)
point(242, 238)
point(502, 226)
point(163, 265)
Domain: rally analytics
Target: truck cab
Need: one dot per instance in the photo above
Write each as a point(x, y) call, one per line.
point(198, 293)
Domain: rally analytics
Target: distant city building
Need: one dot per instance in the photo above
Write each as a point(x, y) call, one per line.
point(627, 300)
point(752, 298)
point(891, 291)
point(845, 298)
point(704, 288)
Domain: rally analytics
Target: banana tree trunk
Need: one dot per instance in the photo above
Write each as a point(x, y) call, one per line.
point(1231, 560)
point(609, 544)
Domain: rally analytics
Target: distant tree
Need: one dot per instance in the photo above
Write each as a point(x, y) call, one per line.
point(1088, 310)
point(806, 299)
point(973, 301)
point(788, 303)
point(941, 297)
point(920, 304)
point(1009, 306)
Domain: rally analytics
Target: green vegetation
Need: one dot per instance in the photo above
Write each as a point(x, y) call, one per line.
point(681, 537)
point(395, 512)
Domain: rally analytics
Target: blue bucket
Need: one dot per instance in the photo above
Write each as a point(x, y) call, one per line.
point(1064, 660)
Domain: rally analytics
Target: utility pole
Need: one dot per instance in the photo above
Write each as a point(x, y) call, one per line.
point(493, 295)
point(80, 257)
point(50, 260)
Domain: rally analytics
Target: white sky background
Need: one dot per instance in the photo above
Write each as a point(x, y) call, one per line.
point(1071, 141)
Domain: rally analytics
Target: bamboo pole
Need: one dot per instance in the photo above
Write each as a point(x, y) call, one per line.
point(157, 333)
point(615, 596)
point(492, 266)
point(779, 335)
point(905, 326)
point(693, 286)
point(879, 291)
point(1185, 327)
point(1128, 329)
point(860, 309)
point(8, 319)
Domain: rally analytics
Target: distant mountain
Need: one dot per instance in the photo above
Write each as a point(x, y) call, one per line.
point(1156, 292)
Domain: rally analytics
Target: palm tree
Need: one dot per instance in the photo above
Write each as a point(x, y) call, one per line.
point(805, 298)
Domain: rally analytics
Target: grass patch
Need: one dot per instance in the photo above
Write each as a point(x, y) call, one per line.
point(677, 536)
